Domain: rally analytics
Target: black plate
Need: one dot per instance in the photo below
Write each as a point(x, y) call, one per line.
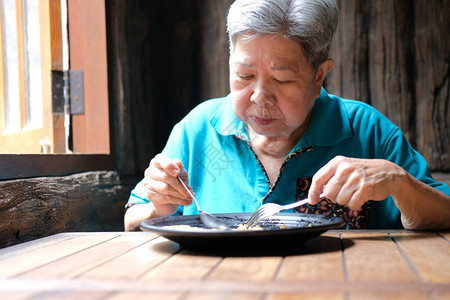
point(299, 228)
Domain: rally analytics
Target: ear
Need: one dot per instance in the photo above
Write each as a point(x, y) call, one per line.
point(321, 73)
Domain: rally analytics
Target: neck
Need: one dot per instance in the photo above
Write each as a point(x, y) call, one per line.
point(270, 146)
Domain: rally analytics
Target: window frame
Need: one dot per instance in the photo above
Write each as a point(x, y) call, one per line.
point(27, 135)
point(87, 24)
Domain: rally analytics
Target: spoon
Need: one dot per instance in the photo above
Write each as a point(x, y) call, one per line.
point(207, 219)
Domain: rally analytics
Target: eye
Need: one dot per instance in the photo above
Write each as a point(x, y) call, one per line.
point(245, 77)
point(279, 81)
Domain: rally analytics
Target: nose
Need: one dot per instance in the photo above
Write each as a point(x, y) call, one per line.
point(262, 94)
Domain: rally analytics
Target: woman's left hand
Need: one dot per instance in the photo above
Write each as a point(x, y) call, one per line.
point(353, 181)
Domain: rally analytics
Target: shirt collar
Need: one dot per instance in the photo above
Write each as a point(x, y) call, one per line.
point(329, 122)
point(225, 121)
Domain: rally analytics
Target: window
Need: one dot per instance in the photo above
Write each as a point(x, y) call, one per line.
point(25, 87)
point(33, 57)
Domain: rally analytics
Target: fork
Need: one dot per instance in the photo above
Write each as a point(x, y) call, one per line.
point(269, 209)
point(207, 219)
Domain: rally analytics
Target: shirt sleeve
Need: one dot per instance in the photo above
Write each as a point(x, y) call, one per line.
point(138, 195)
point(173, 149)
point(398, 150)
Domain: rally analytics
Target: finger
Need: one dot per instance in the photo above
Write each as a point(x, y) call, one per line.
point(332, 189)
point(156, 173)
point(163, 188)
point(161, 199)
point(164, 208)
point(354, 181)
point(164, 183)
point(184, 175)
point(342, 186)
point(356, 201)
point(361, 195)
point(187, 189)
point(162, 169)
point(343, 196)
point(320, 180)
point(166, 200)
point(170, 166)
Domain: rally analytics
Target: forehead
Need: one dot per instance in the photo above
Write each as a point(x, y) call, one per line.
point(273, 50)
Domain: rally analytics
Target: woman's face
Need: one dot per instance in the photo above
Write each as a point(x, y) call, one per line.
point(273, 87)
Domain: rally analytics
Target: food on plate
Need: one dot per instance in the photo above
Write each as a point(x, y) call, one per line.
point(240, 227)
point(243, 227)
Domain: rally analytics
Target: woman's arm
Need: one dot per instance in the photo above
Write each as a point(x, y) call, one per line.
point(421, 206)
point(163, 190)
point(138, 213)
point(352, 182)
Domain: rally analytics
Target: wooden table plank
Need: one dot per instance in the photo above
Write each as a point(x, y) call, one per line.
point(440, 295)
point(134, 263)
point(16, 295)
point(17, 264)
point(76, 285)
point(429, 254)
point(186, 264)
point(224, 296)
point(374, 257)
point(34, 245)
point(320, 260)
point(144, 295)
point(88, 258)
point(72, 295)
point(394, 295)
point(247, 268)
point(319, 295)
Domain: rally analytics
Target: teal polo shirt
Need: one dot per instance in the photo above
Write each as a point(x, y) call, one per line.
point(226, 176)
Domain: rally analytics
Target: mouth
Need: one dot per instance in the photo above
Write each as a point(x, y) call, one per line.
point(262, 121)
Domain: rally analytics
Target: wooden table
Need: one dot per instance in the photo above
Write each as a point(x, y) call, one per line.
point(335, 265)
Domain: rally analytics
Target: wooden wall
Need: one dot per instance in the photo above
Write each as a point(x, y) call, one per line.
point(167, 56)
point(395, 55)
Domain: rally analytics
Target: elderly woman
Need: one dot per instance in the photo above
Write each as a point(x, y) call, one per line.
point(280, 137)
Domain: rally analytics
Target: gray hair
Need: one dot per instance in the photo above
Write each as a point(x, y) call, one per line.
point(310, 23)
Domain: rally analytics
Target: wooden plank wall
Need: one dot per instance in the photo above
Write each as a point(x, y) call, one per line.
point(395, 56)
point(165, 57)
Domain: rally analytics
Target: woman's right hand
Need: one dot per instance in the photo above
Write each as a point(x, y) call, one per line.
point(162, 186)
